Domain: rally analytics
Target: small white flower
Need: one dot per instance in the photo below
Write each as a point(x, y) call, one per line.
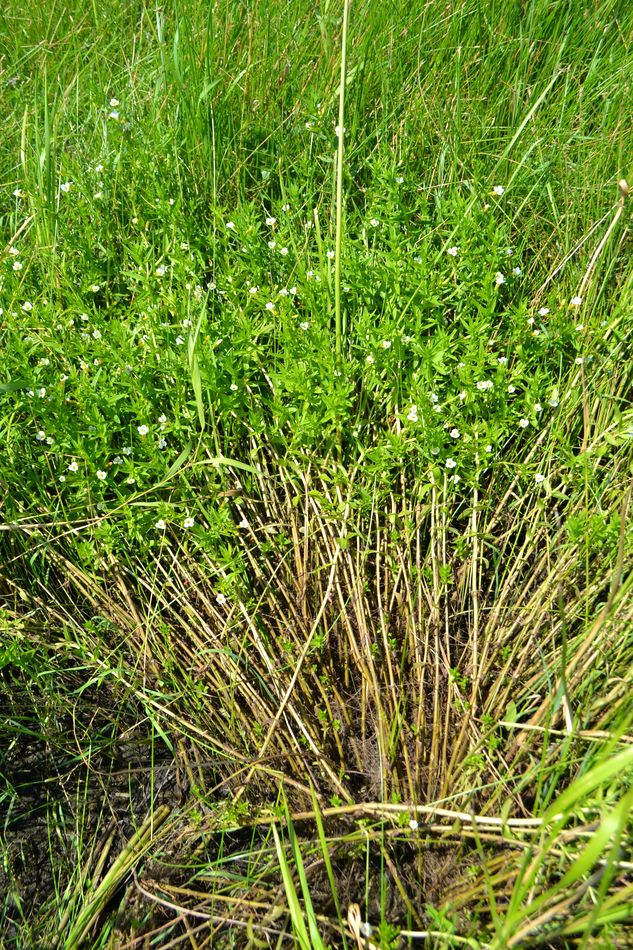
point(451, 463)
point(101, 475)
point(41, 392)
point(99, 168)
point(73, 467)
point(575, 302)
point(41, 436)
point(516, 271)
point(63, 378)
point(162, 419)
point(160, 271)
point(285, 207)
point(188, 523)
point(253, 290)
point(117, 460)
point(499, 278)
point(484, 384)
point(454, 433)
point(412, 414)
point(220, 599)
point(62, 478)
point(160, 524)
point(413, 825)
point(27, 305)
point(374, 222)
point(369, 359)
point(114, 102)
point(386, 344)
point(243, 524)
point(331, 254)
point(142, 430)
point(304, 325)
point(502, 360)
point(455, 479)
point(233, 388)
point(543, 311)
point(530, 321)
point(580, 328)
point(179, 341)
point(272, 244)
point(18, 265)
point(127, 450)
point(553, 402)
point(524, 423)
point(270, 306)
point(131, 480)
point(488, 448)
point(283, 251)
point(538, 478)
point(293, 291)
point(498, 190)
point(95, 288)
point(98, 195)
point(113, 115)
point(162, 443)
point(67, 185)
point(453, 251)
point(508, 252)
point(462, 395)
point(230, 225)
point(512, 389)
point(337, 130)
point(579, 361)
point(399, 179)
point(434, 398)
point(96, 334)
point(271, 221)
point(537, 407)
point(18, 193)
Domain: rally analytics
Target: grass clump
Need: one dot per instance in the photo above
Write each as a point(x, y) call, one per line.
point(315, 598)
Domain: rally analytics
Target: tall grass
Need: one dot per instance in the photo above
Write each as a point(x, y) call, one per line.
point(315, 599)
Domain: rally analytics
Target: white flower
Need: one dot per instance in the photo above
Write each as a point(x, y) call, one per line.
point(73, 467)
point(434, 397)
point(499, 278)
point(179, 341)
point(220, 599)
point(253, 290)
point(575, 302)
point(498, 190)
point(516, 271)
point(162, 444)
point(18, 193)
point(412, 414)
point(18, 265)
point(160, 271)
point(512, 389)
point(530, 321)
point(271, 221)
point(117, 460)
point(462, 395)
point(399, 179)
point(455, 479)
point(98, 195)
point(304, 325)
point(233, 388)
point(270, 306)
point(230, 225)
point(142, 430)
point(114, 103)
point(386, 344)
point(41, 392)
point(543, 311)
point(272, 244)
point(553, 402)
point(369, 359)
point(67, 185)
point(96, 334)
point(27, 305)
point(508, 252)
point(101, 475)
point(579, 328)
point(488, 448)
point(337, 130)
point(160, 524)
point(162, 419)
point(113, 115)
point(131, 480)
point(454, 433)
point(285, 207)
point(62, 478)
point(502, 360)
point(41, 436)
point(243, 523)
point(484, 384)
point(453, 251)
point(450, 463)
point(524, 423)
point(293, 291)
point(95, 288)
point(374, 222)
point(331, 254)
point(127, 450)
point(413, 825)
point(283, 251)
point(188, 523)
point(538, 478)
point(579, 361)
point(537, 407)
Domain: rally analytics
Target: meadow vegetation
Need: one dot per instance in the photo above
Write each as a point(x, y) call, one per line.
point(315, 534)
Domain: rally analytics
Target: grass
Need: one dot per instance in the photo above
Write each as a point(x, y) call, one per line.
point(316, 485)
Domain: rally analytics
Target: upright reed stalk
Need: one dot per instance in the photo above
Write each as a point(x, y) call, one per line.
point(339, 187)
